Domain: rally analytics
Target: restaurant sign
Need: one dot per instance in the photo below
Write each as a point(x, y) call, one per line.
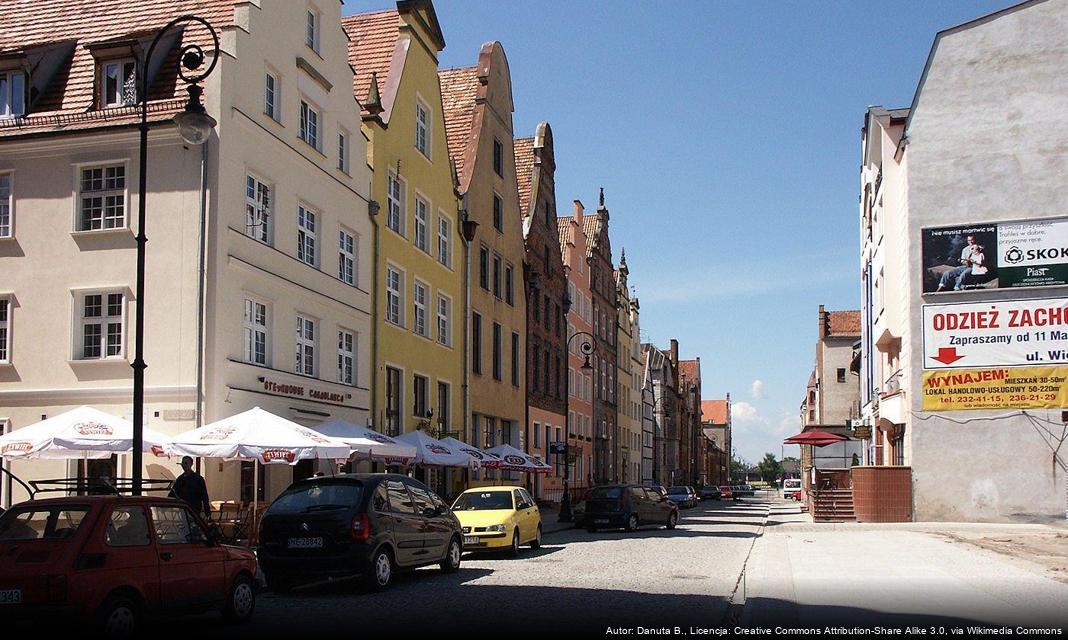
point(1000, 388)
point(301, 391)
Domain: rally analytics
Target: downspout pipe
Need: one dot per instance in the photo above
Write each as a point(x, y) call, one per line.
point(372, 212)
point(202, 287)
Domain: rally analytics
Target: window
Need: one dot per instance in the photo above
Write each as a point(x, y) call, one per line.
point(395, 204)
point(841, 375)
point(498, 213)
point(421, 241)
point(270, 95)
point(127, 527)
point(559, 314)
point(559, 375)
point(498, 158)
point(483, 267)
point(476, 343)
point(509, 284)
point(176, 525)
point(421, 401)
point(12, 94)
point(419, 308)
point(443, 404)
point(548, 374)
point(5, 331)
point(102, 197)
point(497, 368)
point(444, 321)
point(306, 235)
point(496, 275)
point(118, 83)
point(257, 210)
point(515, 359)
point(394, 297)
point(343, 151)
point(346, 257)
point(309, 124)
point(444, 241)
point(6, 200)
point(537, 435)
point(535, 380)
point(102, 317)
point(305, 346)
point(346, 357)
point(393, 401)
point(311, 35)
point(255, 332)
point(422, 129)
point(547, 309)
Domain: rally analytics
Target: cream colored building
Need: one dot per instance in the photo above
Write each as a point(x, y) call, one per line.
point(258, 268)
point(628, 378)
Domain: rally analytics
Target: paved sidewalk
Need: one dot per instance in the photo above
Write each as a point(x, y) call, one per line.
point(806, 574)
point(550, 521)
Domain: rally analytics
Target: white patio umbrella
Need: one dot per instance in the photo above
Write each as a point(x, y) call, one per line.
point(488, 460)
point(434, 453)
point(368, 443)
point(84, 433)
point(515, 460)
point(259, 436)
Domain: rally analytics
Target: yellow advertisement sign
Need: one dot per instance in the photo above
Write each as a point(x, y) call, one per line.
point(1003, 388)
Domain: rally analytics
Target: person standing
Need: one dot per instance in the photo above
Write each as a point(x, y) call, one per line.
point(952, 277)
point(191, 488)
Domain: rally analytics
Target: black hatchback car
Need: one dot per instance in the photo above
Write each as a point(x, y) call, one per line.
point(367, 524)
point(628, 506)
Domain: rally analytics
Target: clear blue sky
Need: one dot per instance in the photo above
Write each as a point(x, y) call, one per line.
point(727, 138)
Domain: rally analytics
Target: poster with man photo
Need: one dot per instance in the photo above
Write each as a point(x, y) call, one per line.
point(960, 258)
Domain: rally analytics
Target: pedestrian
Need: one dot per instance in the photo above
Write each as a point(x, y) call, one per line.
point(191, 488)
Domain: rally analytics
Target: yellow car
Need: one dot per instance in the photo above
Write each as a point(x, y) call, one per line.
point(495, 518)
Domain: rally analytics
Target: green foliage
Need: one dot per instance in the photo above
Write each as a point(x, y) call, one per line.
point(770, 468)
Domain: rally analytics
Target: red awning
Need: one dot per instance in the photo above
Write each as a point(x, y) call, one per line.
point(815, 438)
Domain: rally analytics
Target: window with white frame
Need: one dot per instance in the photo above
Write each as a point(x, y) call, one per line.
point(422, 241)
point(346, 357)
point(6, 205)
point(311, 32)
point(422, 128)
point(257, 209)
point(306, 235)
point(271, 95)
point(5, 329)
point(395, 204)
point(310, 123)
point(305, 364)
point(102, 318)
point(12, 94)
point(118, 83)
point(419, 309)
point(346, 257)
point(102, 197)
point(394, 296)
point(444, 240)
point(444, 320)
point(255, 332)
point(343, 151)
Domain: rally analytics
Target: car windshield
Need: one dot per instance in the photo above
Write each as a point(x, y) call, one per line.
point(606, 493)
point(678, 490)
point(483, 501)
point(326, 496)
point(42, 523)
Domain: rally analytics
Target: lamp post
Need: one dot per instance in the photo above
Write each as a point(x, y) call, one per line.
point(586, 348)
point(194, 127)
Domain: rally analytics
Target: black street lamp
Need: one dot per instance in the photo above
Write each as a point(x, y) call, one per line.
point(586, 348)
point(194, 126)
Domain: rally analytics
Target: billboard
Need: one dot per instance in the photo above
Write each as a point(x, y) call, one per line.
point(1000, 255)
point(1001, 388)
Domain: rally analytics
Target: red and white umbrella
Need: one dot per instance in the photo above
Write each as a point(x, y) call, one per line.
point(368, 444)
point(78, 434)
point(486, 459)
point(513, 459)
point(430, 452)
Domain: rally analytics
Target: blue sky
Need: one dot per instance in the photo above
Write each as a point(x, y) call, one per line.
point(727, 138)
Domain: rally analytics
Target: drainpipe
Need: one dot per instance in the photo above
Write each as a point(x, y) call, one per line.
point(372, 211)
point(201, 288)
point(467, 232)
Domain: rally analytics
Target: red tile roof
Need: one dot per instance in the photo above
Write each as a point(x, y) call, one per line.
point(691, 369)
point(591, 227)
point(459, 88)
point(563, 225)
point(844, 323)
point(715, 411)
point(524, 172)
point(68, 102)
point(372, 40)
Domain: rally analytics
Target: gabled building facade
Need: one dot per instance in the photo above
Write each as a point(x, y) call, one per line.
point(628, 378)
point(603, 292)
point(691, 447)
point(716, 428)
point(581, 343)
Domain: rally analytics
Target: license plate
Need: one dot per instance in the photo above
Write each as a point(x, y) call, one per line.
point(10, 596)
point(305, 543)
point(601, 521)
point(470, 539)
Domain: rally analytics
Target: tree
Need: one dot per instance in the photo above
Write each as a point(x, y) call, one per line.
point(770, 468)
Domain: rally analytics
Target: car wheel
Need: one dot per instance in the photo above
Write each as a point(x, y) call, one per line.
point(513, 550)
point(119, 617)
point(242, 600)
point(379, 575)
point(632, 523)
point(673, 519)
point(536, 542)
point(451, 563)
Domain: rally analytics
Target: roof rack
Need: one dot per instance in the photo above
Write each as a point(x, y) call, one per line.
point(85, 486)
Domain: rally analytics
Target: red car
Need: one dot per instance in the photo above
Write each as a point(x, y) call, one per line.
point(110, 560)
point(726, 493)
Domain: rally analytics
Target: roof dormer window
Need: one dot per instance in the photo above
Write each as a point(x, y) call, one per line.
point(118, 83)
point(12, 94)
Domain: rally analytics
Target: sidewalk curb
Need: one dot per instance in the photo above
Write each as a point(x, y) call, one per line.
point(763, 600)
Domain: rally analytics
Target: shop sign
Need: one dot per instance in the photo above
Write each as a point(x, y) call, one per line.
point(1000, 388)
point(301, 391)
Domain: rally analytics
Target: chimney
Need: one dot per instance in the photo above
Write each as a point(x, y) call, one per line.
point(578, 211)
point(675, 351)
point(825, 320)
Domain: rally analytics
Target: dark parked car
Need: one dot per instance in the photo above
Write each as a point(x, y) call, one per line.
point(111, 560)
point(710, 492)
point(683, 496)
point(367, 524)
point(743, 491)
point(628, 506)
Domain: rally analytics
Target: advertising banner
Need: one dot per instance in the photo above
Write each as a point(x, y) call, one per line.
point(997, 333)
point(1002, 255)
point(1001, 388)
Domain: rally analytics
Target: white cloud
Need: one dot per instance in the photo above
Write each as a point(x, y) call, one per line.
point(744, 412)
point(756, 434)
point(758, 389)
